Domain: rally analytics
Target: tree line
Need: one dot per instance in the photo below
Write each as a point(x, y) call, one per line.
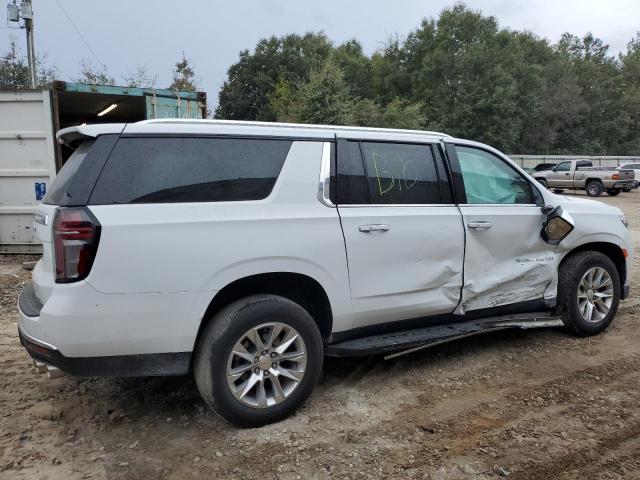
point(459, 73)
point(14, 73)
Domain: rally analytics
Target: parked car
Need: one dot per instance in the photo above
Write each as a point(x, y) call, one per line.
point(543, 166)
point(244, 252)
point(582, 175)
point(636, 171)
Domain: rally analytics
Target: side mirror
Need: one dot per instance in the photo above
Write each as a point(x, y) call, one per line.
point(555, 228)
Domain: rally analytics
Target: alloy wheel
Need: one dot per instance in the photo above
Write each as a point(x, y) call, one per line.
point(266, 365)
point(595, 294)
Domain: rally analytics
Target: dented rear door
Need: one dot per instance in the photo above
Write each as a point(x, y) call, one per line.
point(506, 260)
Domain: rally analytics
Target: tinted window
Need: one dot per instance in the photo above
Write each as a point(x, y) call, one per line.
point(353, 186)
point(400, 173)
point(57, 194)
point(563, 167)
point(489, 180)
point(166, 170)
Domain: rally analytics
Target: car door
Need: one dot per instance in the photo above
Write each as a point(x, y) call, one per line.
point(507, 263)
point(561, 176)
point(403, 233)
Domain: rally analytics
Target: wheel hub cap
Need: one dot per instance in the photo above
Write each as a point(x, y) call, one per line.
point(266, 365)
point(595, 294)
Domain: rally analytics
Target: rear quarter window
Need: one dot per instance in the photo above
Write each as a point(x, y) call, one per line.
point(190, 169)
point(59, 191)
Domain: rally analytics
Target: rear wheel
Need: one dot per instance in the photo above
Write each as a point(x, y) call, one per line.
point(543, 182)
point(258, 360)
point(594, 188)
point(589, 292)
point(613, 191)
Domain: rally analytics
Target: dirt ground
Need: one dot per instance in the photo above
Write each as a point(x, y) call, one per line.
point(537, 404)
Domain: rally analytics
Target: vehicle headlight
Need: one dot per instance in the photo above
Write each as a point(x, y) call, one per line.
point(624, 221)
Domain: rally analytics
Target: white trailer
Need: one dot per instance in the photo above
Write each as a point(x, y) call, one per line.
point(30, 156)
point(27, 165)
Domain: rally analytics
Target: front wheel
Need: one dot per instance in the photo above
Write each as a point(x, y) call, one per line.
point(258, 360)
point(594, 188)
point(543, 183)
point(588, 292)
point(613, 192)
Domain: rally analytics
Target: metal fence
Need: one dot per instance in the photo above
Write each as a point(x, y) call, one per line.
point(530, 161)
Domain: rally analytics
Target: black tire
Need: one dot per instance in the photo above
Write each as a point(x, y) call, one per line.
point(218, 339)
point(613, 192)
point(571, 272)
point(543, 182)
point(557, 190)
point(594, 188)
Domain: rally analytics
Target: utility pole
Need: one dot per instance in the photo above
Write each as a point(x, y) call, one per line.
point(25, 12)
point(27, 16)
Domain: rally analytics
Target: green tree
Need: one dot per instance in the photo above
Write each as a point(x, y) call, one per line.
point(630, 83)
point(184, 77)
point(14, 71)
point(323, 99)
point(252, 80)
point(140, 78)
point(92, 75)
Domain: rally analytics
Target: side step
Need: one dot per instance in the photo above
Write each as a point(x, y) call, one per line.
point(419, 338)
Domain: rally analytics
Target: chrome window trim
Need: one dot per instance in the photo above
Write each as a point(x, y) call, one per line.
point(499, 205)
point(325, 176)
point(360, 205)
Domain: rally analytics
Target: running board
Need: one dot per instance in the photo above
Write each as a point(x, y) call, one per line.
point(418, 338)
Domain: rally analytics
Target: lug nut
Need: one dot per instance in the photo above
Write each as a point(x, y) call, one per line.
point(256, 360)
point(266, 373)
point(264, 352)
point(274, 365)
point(273, 354)
point(256, 370)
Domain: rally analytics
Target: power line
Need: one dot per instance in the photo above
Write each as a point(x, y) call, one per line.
point(80, 34)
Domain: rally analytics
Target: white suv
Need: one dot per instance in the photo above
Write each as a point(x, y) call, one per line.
point(244, 252)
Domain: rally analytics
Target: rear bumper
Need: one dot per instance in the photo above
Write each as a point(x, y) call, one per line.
point(150, 364)
point(39, 345)
point(623, 184)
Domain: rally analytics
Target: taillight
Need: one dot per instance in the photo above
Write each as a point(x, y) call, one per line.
point(615, 176)
point(76, 233)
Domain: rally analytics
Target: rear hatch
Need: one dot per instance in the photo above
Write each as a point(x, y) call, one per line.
point(44, 274)
point(70, 190)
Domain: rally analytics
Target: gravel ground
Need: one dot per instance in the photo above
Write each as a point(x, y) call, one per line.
point(536, 404)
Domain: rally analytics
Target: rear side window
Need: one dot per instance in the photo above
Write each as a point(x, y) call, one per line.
point(190, 169)
point(59, 190)
point(400, 173)
point(387, 173)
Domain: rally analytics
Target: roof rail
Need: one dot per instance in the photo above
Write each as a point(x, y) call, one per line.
point(248, 123)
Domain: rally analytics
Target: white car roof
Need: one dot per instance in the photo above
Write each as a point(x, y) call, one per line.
point(242, 128)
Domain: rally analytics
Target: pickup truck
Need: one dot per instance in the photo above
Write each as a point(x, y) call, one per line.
point(582, 175)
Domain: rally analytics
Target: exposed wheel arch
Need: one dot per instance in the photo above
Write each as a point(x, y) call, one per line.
point(611, 250)
point(296, 287)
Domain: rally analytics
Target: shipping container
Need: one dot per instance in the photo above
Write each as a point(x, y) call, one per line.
point(30, 157)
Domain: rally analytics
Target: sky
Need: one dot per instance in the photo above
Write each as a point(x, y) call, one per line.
point(124, 34)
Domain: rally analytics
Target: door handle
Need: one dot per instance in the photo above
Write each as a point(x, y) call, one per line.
point(376, 227)
point(567, 173)
point(479, 225)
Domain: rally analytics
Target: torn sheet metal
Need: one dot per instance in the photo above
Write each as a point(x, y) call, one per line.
point(508, 262)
